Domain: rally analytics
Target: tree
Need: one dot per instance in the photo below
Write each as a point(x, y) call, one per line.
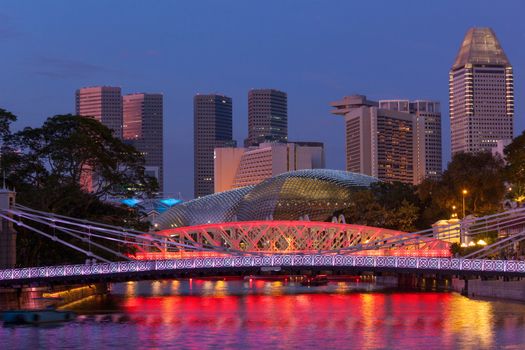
point(6, 118)
point(481, 174)
point(389, 205)
point(46, 166)
point(67, 148)
point(515, 168)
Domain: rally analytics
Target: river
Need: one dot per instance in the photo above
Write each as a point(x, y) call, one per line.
point(236, 314)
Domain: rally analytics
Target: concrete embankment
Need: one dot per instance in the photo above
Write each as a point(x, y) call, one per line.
point(497, 289)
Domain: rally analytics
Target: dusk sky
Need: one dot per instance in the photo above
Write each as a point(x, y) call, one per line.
point(316, 51)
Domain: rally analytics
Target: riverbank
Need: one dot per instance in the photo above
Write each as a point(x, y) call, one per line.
point(493, 289)
point(35, 297)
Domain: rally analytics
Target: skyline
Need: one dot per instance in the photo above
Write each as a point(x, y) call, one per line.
point(310, 56)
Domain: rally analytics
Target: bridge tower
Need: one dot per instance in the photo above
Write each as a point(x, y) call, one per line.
point(7, 232)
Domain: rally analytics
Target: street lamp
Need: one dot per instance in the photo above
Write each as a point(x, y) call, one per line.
point(464, 193)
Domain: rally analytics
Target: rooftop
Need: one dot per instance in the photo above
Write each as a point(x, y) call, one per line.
point(480, 46)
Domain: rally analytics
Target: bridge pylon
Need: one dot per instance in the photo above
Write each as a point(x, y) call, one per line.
point(7, 232)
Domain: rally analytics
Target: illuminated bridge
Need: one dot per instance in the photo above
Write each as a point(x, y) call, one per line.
point(252, 247)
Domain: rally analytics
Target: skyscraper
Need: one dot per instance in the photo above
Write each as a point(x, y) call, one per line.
point(143, 128)
point(267, 116)
point(427, 132)
point(104, 103)
point(379, 142)
point(481, 93)
point(212, 128)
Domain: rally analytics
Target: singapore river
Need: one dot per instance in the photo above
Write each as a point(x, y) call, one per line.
point(237, 314)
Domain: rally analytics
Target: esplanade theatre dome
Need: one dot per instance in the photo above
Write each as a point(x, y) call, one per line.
point(316, 194)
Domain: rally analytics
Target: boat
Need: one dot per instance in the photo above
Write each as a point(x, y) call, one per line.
point(319, 280)
point(36, 317)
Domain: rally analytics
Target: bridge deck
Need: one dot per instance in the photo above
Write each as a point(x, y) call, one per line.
point(131, 270)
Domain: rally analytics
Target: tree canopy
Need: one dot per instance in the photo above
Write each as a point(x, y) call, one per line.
point(46, 166)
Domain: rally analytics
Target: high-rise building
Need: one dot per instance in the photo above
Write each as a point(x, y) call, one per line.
point(143, 128)
point(379, 142)
point(240, 167)
point(104, 103)
point(267, 117)
point(212, 128)
point(427, 151)
point(481, 93)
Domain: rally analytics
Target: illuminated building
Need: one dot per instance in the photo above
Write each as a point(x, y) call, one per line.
point(481, 93)
point(267, 116)
point(379, 142)
point(427, 132)
point(143, 128)
point(212, 128)
point(104, 103)
point(239, 167)
point(317, 195)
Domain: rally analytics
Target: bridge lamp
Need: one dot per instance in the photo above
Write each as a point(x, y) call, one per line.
point(482, 242)
point(464, 193)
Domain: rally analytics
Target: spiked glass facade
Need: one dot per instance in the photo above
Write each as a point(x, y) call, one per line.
point(317, 194)
point(481, 89)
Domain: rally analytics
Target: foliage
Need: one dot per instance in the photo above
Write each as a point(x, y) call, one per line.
point(67, 149)
point(46, 166)
point(389, 205)
point(515, 168)
point(481, 174)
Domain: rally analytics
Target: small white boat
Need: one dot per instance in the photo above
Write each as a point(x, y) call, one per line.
point(36, 317)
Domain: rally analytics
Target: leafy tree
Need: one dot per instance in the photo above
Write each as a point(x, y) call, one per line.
point(481, 174)
point(389, 205)
point(6, 118)
point(67, 148)
point(46, 166)
point(515, 168)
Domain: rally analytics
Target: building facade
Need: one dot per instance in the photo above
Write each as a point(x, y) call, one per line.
point(104, 103)
point(379, 142)
point(314, 194)
point(267, 116)
point(427, 132)
point(240, 167)
point(143, 128)
point(481, 93)
point(212, 128)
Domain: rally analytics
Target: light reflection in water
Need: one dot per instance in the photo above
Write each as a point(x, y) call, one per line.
point(271, 314)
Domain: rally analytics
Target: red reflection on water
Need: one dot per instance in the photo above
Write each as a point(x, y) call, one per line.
point(368, 320)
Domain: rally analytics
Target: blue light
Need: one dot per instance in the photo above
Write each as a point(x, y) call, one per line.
point(130, 202)
point(170, 201)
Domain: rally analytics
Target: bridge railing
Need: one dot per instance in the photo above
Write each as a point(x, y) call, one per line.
point(392, 263)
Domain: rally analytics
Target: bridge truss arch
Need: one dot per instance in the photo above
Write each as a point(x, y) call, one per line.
point(297, 237)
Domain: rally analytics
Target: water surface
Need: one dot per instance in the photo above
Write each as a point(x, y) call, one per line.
point(197, 314)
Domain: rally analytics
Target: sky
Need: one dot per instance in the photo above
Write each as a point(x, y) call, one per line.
point(316, 51)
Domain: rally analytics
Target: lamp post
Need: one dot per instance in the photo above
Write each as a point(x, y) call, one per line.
point(464, 193)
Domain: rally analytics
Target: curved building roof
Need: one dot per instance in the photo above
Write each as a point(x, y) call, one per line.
point(316, 193)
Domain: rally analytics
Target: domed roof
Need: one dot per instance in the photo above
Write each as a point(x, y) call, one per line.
point(314, 193)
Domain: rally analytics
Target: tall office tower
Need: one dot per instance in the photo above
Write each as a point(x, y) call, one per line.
point(102, 102)
point(481, 93)
point(267, 116)
point(212, 128)
point(240, 167)
point(379, 142)
point(427, 152)
point(142, 127)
